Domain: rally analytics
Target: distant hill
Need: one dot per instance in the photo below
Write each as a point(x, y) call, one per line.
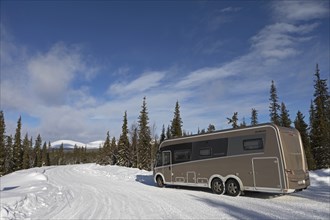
point(69, 144)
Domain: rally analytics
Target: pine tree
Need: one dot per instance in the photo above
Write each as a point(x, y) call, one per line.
point(37, 152)
point(134, 144)
point(168, 133)
point(301, 126)
point(9, 162)
point(17, 147)
point(274, 107)
point(162, 136)
point(44, 153)
point(254, 117)
point(176, 128)
point(320, 123)
point(243, 124)
point(60, 160)
point(26, 152)
point(144, 143)
point(285, 117)
point(2, 144)
point(123, 145)
point(113, 151)
point(105, 154)
point(210, 128)
point(233, 120)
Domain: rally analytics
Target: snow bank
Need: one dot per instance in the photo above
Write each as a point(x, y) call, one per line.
point(91, 191)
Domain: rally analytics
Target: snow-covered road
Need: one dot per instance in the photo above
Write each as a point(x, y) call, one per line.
point(91, 191)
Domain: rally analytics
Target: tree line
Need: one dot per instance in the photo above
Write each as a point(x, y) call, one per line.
point(137, 146)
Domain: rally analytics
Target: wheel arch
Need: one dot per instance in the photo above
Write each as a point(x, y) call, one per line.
point(158, 174)
point(213, 177)
point(235, 178)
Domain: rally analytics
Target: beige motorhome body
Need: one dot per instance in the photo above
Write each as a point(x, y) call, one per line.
point(265, 158)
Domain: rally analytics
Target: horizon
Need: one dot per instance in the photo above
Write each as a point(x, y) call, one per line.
point(72, 69)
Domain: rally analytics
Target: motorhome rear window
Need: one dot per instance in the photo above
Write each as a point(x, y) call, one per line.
point(253, 144)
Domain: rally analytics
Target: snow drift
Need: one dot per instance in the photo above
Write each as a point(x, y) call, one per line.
point(91, 191)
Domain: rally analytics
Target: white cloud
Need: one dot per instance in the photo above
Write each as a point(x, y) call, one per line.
point(145, 82)
point(292, 11)
point(279, 40)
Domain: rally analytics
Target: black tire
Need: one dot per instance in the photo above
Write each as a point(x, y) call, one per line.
point(232, 188)
point(160, 181)
point(217, 186)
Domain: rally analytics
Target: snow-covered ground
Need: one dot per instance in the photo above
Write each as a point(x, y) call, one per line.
point(91, 191)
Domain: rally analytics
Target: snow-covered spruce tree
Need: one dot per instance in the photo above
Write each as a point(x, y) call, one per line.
point(9, 163)
point(320, 122)
point(233, 120)
point(26, 152)
point(176, 127)
point(254, 116)
point(302, 127)
point(17, 147)
point(2, 144)
point(44, 153)
point(113, 151)
point(134, 143)
point(285, 117)
point(144, 143)
point(274, 107)
point(37, 152)
point(105, 153)
point(123, 145)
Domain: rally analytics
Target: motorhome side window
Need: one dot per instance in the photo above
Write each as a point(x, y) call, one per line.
point(166, 158)
point(253, 144)
point(205, 152)
point(159, 159)
point(182, 155)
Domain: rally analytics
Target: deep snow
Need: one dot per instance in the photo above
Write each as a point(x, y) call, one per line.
point(91, 191)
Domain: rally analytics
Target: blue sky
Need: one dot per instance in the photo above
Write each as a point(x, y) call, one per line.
point(72, 68)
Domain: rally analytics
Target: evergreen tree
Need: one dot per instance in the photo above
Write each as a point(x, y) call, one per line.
point(106, 151)
point(134, 144)
point(44, 153)
point(9, 162)
point(37, 152)
point(285, 117)
point(17, 147)
point(2, 144)
point(168, 133)
point(144, 143)
point(123, 145)
point(254, 117)
point(176, 128)
point(274, 107)
point(210, 128)
point(60, 160)
point(233, 120)
point(320, 123)
point(113, 151)
point(243, 124)
point(301, 126)
point(162, 136)
point(26, 152)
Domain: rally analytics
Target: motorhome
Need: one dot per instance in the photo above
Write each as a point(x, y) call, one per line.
point(265, 158)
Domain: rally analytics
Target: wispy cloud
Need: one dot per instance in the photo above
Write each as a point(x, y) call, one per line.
point(293, 11)
point(279, 40)
point(145, 82)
